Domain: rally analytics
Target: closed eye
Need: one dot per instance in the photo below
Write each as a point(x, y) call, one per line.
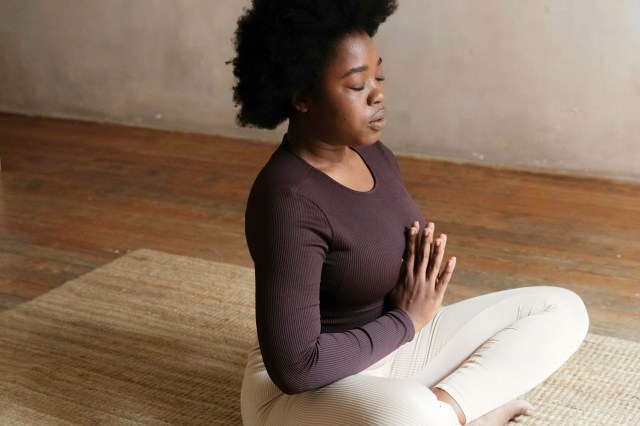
point(361, 88)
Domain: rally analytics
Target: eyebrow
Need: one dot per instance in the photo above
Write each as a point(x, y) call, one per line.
point(359, 69)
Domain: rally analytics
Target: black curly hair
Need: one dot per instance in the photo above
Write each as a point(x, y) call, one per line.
point(282, 46)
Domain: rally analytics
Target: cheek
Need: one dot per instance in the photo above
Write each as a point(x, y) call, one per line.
point(352, 111)
point(345, 110)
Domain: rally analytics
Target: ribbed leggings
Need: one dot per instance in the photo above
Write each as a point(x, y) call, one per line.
point(484, 351)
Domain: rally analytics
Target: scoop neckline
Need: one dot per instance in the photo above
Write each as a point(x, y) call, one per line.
point(286, 144)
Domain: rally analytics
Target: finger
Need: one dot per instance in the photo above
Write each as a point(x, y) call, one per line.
point(417, 243)
point(407, 245)
point(445, 276)
point(410, 251)
point(436, 258)
point(433, 232)
point(425, 251)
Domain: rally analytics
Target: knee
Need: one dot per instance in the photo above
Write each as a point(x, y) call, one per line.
point(574, 312)
point(575, 307)
point(433, 412)
point(411, 403)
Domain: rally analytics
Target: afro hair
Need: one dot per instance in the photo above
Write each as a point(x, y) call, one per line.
point(282, 46)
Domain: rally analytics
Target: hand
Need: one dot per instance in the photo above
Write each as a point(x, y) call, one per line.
point(421, 286)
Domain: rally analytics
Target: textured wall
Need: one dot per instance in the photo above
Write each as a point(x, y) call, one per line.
point(523, 83)
point(144, 62)
point(552, 84)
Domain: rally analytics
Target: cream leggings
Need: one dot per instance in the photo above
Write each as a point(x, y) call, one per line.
point(484, 351)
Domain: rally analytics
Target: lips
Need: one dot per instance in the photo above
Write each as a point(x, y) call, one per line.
point(378, 120)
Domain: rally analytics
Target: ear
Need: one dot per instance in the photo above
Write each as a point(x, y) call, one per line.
point(300, 101)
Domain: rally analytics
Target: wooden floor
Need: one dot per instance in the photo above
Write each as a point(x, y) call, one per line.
point(74, 196)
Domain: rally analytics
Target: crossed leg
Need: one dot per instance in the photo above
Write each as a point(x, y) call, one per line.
point(486, 351)
point(483, 352)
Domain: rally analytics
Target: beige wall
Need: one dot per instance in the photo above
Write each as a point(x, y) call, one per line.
point(551, 84)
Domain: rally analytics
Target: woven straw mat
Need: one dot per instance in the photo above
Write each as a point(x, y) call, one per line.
point(153, 338)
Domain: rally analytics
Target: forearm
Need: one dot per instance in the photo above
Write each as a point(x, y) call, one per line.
point(298, 364)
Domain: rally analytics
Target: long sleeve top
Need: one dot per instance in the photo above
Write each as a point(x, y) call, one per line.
point(325, 258)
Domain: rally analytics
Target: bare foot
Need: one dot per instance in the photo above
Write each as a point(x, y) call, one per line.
point(501, 415)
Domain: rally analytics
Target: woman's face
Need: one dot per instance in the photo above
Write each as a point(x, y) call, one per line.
point(348, 108)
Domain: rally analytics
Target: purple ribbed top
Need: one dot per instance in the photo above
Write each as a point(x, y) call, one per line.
point(325, 258)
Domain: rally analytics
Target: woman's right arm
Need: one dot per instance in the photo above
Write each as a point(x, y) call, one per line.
point(288, 237)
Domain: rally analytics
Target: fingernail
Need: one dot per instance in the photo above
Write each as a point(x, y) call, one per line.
point(453, 260)
point(438, 241)
point(413, 231)
point(427, 231)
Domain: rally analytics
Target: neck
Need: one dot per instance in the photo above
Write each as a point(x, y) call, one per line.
point(315, 151)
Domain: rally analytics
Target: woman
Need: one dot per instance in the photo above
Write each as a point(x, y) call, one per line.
point(349, 275)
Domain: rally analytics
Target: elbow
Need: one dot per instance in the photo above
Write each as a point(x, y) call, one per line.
point(290, 388)
point(294, 371)
point(291, 384)
point(292, 380)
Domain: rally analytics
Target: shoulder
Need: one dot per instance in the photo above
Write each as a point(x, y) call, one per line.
point(281, 189)
point(284, 171)
point(280, 214)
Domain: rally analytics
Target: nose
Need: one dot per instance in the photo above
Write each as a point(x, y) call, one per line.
point(376, 96)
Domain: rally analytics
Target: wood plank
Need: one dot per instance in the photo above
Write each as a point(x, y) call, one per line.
point(76, 195)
